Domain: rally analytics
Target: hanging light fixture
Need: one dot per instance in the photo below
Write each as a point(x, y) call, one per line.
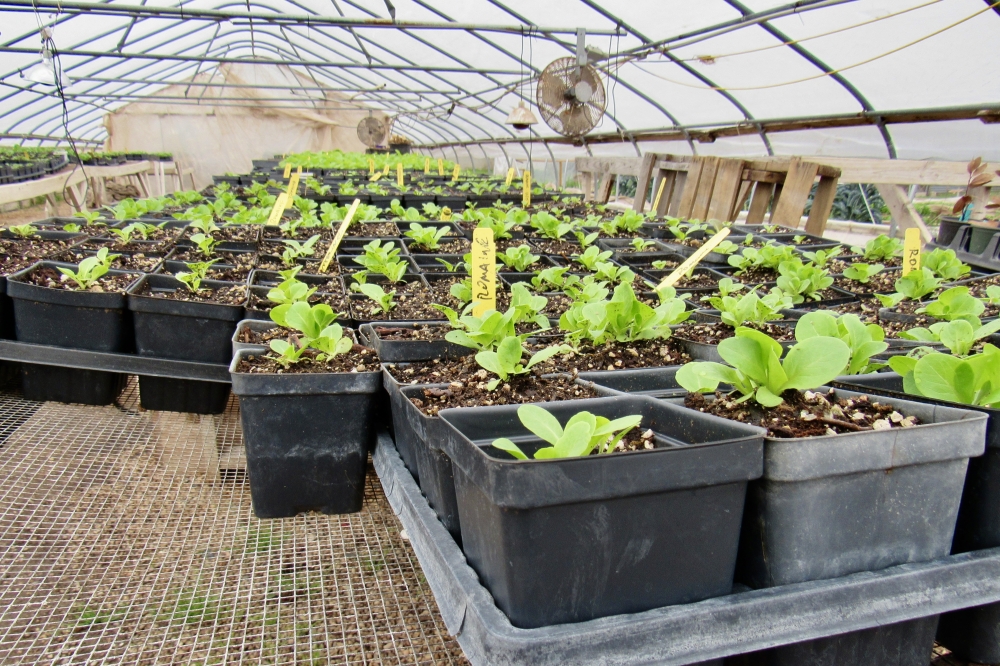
point(521, 117)
point(44, 72)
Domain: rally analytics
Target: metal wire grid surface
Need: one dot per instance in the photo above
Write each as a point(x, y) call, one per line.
point(122, 542)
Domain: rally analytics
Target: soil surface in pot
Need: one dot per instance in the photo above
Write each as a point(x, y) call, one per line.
point(424, 332)
point(251, 337)
point(359, 359)
point(244, 261)
point(614, 356)
point(565, 249)
point(129, 262)
point(825, 295)
point(276, 235)
point(239, 233)
point(882, 283)
point(269, 262)
point(234, 295)
point(455, 246)
point(338, 302)
point(371, 229)
point(805, 414)
point(53, 279)
point(716, 332)
point(413, 301)
point(756, 275)
point(468, 389)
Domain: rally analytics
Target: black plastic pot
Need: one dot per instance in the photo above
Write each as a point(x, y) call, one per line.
point(307, 437)
point(455, 202)
point(74, 319)
point(948, 228)
point(973, 633)
point(404, 351)
point(654, 382)
point(253, 325)
point(189, 331)
point(980, 238)
point(576, 539)
point(835, 505)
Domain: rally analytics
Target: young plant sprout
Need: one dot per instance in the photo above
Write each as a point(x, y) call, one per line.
point(584, 433)
point(802, 281)
point(555, 278)
point(90, 270)
point(955, 303)
point(863, 273)
point(959, 336)
point(382, 301)
point(204, 224)
point(641, 245)
point(204, 244)
point(945, 264)
point(757, 372)
point(316, 331)
point(969, 381)
point(750, 308)
point(23, 230)
point(880, 248)
point(506, 363)
point(863, 340)
point(518, 258)
point(550, 226)
point(195, 273)
point(295, 249)
point(90, 216)
point(290, 290)
point(427, 238)
point(913, 286)
point(623, 318)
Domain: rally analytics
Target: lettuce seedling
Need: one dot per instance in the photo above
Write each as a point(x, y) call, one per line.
point(591, 256)
point(623, 318)
point(518, 258)
point(822, 257)
point(23, 230)
point(880, 248)
point(955, 303)
point(550, 226)
point(863, 273)
point(587, 290)
point(725, 287)
point(205, 244)
point(428, 238)
point(750, 308)
point(584, 433)
point(756, 371)
point(457, 267)
point(195, 273)
point(769, 257)
point(945, 264)
point(629, 221)
point(315, 324)
point(462, 291)
point(801, 281)
point(914, 286)
point(90, 216)
point(294, 249)
point(992, 296)
point(726, 247)
point(204, 224)
point(958, 336)
point(290, 291)
point(500, 227)
point(969, 381)
point(586, 240)
point(554, 278)
point(483, 332)
point(863, 340)
point(383, 259)
point(383, 300)
point(431, 210)
point(90, 270)
point(641, 245)
point(605, 270)
point(505, 362)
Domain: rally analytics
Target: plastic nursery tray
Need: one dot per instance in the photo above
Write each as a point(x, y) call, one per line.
point(684, 634)
point(130, 364)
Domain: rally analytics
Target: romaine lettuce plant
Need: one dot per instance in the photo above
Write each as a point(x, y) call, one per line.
point(23, 230)
point(290, 290)
point(383, 301)
point(802, 281)
point(958, 336)
point(554, 278)
point(550, 226)
point(90, 270)
point(945, 264)
point(623, 318)
point(428, 238)
point(295, 249)
point(591, 256)
point(195, 273)
point(505, 362)
point(584, 433)
point(955, 303)
point(757, 372)
point(317, 331)
point(880, 248)
point(518, 258)
point(914, 286)
point(863, 273)
point(750, 308)
point(204, 244)
point(974, 380)
point(863, 340)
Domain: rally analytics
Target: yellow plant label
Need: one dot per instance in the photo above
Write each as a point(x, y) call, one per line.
point(293, 188)
point(371, 167)
point(694, 259)
point(526, 189)
point(484, 271)
point(385, 171)
point(440, 167)
point(341, 232)
point(427, 165)
point(279, 207)
point(911, 250)
point(659, 194)
point(445, 215)
point(399, 175)
point(510, 176)
point(454, 175)
point(288, 170)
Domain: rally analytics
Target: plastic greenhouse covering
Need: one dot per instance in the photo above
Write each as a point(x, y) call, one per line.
point(450, 71)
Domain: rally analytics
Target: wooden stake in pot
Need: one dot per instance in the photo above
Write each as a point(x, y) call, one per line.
point(694, 259)
point(341, 232)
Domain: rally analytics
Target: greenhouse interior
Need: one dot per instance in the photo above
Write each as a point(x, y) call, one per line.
point(320, 320)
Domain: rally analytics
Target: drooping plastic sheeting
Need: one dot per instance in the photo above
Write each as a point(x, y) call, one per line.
point(676, 70)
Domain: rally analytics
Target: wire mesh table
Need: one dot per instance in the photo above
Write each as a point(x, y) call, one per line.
point(127, 537)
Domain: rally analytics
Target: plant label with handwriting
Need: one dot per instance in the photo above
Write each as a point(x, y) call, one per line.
point(399, 175)
point(484, 272)
point(911, 251)
point(510, 176)
point(440, 167)
point(279, 208)
point(526, 193)
point(293, 188)
point(427, 165)
point(288, 170)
